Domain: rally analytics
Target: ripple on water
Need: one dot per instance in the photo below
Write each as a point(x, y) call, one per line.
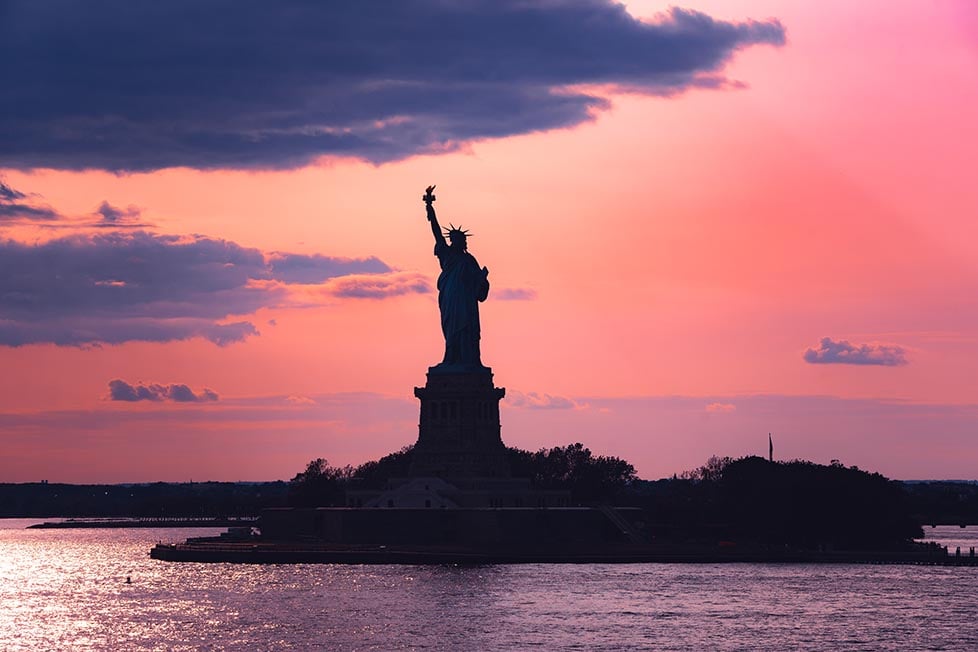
point(66, 589)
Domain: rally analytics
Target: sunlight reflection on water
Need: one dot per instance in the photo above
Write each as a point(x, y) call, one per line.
point(66, 589)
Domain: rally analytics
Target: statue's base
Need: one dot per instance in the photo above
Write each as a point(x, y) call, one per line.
point(470, 493)
point(459, 433)
point(459, 369)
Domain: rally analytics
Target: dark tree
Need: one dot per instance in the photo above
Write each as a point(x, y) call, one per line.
point(797, 504)
point(589, 478)
point(374, 474)
point(712, 471)
point(947, 502)
point(810, 505)
point(320, 485)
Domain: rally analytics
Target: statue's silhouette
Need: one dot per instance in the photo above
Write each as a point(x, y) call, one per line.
point(462, 284)
point(458, 429)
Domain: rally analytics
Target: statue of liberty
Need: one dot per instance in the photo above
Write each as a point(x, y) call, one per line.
point(462, 284)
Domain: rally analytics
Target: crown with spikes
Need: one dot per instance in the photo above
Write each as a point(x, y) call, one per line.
point(456, 230)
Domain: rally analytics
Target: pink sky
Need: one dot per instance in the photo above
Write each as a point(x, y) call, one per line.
point(678, 256)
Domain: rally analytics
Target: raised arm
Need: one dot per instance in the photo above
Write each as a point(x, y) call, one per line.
point(429, 199)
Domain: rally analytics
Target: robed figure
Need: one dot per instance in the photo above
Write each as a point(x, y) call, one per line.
point(462, 285)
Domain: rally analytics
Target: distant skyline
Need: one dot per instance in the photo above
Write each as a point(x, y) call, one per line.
point(702, 225)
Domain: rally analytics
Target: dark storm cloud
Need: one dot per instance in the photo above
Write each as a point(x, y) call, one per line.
point(145, 85)
point(140, 274)
point(120, 390)
point(842, 352)
point(74, 330)
point(116, 287)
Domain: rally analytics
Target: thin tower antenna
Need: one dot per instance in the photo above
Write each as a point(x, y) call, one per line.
point(770, 448)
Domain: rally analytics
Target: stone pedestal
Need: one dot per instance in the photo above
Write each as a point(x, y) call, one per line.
point(459, 433)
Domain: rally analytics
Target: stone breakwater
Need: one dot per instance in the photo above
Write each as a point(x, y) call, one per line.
point(281, 552)
point(102, 523)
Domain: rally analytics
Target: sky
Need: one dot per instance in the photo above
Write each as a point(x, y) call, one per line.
point(703, 224)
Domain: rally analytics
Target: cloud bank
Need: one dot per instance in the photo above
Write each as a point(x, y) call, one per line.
point(299, 268)
point(120, 390)
point(121, 286)
point(830, 351)
point(140, 86)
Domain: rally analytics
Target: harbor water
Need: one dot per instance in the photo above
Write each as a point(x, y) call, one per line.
point(99, 590)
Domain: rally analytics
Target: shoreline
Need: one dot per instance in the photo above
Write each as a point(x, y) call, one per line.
point(123, 522)
point(284, 552)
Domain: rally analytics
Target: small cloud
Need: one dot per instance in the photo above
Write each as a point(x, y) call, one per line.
point(117, 218)
point(220, 334)
point(9, 194)
point(830, 351)
point(721, 407)
point(15, 205)
point(180, 393)
point(515, 294)
point(120, 390)
point(379, 286)
point(535, 401)
point(299, 400)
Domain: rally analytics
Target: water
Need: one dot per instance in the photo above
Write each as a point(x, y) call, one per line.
point(953, 537)
point(67, 590)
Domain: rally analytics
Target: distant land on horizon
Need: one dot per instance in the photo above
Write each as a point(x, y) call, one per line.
point(932, 502)
point(143, 483)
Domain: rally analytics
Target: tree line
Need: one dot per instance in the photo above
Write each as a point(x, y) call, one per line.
point(588, 477)
point(798, 504)
point(794, 503)
point(151, 500)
